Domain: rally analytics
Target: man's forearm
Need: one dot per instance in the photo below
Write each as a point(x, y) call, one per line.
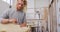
point(1, 20)
point(4, 21)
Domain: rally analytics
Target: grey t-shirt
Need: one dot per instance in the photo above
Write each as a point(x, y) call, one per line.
point(10, 14)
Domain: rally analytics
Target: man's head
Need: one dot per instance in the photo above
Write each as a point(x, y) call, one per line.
point(21, 4)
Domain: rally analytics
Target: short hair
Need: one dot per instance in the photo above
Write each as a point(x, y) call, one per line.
point(25, 2)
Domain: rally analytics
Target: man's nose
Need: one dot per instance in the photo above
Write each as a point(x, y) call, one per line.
point(20, 5)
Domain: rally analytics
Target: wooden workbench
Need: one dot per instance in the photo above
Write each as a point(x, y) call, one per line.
point(12, 28)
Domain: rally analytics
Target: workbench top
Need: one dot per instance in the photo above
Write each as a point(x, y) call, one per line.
point(12, 28)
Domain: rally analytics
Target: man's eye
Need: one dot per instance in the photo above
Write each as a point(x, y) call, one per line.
point(19, 3)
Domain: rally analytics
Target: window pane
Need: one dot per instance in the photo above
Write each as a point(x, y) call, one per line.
point(8, 1)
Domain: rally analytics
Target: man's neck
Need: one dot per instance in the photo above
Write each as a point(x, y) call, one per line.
point(20, 10)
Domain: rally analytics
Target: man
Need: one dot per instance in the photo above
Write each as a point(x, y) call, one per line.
point(15, 16)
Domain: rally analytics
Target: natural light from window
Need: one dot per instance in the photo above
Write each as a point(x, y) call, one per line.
point(8, 1)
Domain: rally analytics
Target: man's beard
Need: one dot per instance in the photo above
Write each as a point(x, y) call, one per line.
point(19, 9)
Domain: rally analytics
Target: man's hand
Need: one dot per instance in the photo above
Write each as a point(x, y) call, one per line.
point(13, 21)
point(23, 25)
point(4, 21)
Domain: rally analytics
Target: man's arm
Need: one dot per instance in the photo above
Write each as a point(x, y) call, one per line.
point(4, 21)
point(24, 23)
point(4, 17)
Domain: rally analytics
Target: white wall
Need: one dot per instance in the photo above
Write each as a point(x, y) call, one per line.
point(38, 4)
point(42, 3)
point(30, 9)
point(58, 15)
point(3, 6)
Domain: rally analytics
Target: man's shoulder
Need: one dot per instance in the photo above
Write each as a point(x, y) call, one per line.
point(10, 10)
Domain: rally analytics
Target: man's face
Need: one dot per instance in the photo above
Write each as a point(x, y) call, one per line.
point(20, 4)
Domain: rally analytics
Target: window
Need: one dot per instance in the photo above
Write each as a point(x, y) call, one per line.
point(8, 1)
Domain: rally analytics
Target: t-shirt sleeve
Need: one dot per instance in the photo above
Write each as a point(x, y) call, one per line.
point(24, 18)
point(4, 15)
